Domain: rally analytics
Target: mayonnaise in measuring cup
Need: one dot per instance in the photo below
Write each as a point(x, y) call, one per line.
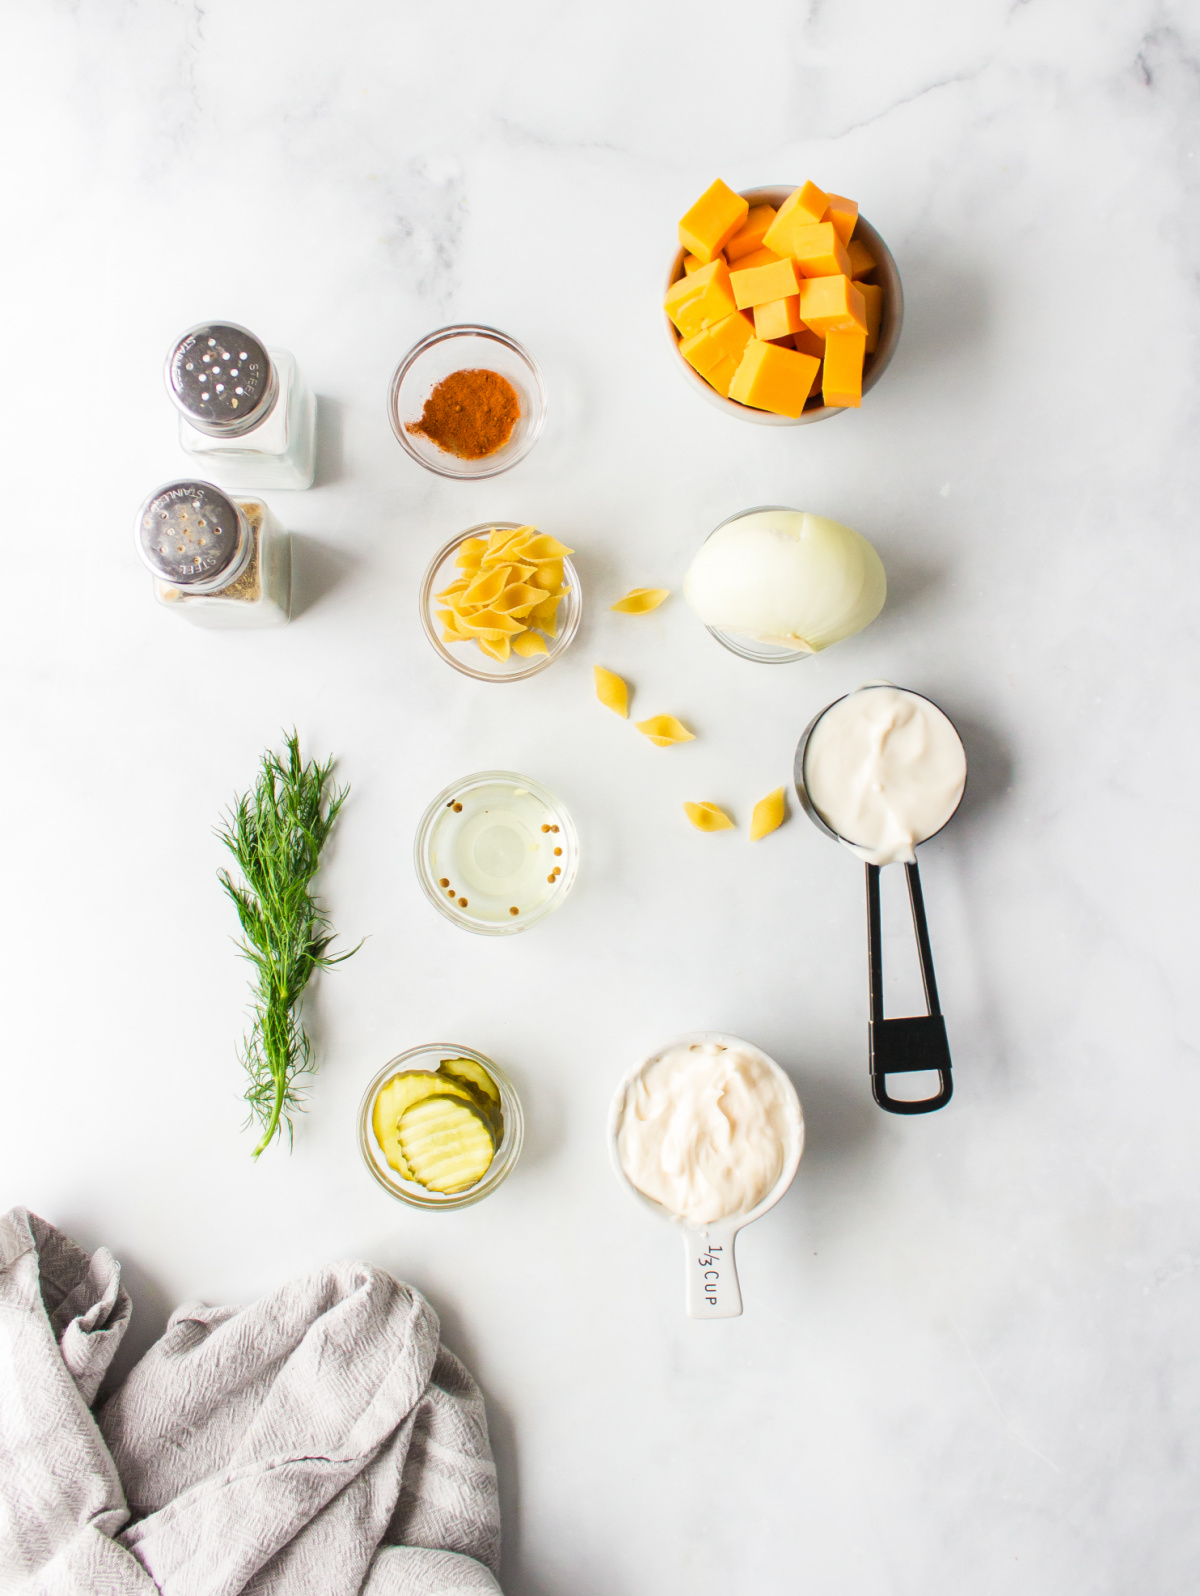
point(704, 1131)
point(885, 769)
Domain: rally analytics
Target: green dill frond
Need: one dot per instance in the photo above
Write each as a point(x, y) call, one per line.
point(276, 834)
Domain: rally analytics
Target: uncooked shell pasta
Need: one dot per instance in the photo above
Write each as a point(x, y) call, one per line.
point(708, 817)
point(641, 600)
point(612, 690)
point(663, 730)
point(508, 594)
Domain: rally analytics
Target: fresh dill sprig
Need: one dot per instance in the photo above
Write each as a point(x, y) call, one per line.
point(276, 834)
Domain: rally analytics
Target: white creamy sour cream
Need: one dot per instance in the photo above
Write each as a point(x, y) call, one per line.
point(705, 1130)
point(885, 769)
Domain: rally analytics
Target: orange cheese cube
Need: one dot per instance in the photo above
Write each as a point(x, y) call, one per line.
point(749, 235)
point(755, 285)
point(843, 213)
point(873, 299)
point(809, 342)
point(712, 221)
point(759, 257)
point(818, 251)
point(692, 263)
point(724, 340)
point(827, 302)
point(861, 259)
point(721, 376)
point(698, 300)
point(778, 318)
point(733, 334)
point(774, 379)
point(801, 209)
point(841, 382)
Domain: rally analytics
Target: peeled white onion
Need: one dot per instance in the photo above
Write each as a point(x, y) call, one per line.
point(787, 577)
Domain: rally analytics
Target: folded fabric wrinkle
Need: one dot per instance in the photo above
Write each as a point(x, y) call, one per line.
point(320, 1439)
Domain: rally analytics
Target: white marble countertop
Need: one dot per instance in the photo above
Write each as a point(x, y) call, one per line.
point(967, 1360)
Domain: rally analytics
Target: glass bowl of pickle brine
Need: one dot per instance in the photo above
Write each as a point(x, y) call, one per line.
point(440, 1126)
point(496, 853)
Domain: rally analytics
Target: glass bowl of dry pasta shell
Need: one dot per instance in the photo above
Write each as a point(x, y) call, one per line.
point(501, 601)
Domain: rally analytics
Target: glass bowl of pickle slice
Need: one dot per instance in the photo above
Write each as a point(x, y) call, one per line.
point(440, 1126)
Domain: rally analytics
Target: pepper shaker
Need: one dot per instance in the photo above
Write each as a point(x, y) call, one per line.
point(216, 560)
point(245, 412)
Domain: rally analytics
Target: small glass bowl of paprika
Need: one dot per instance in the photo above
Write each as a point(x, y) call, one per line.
point(467, 401)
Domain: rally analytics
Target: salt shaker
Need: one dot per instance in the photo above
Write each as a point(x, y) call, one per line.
point(245, 412)
point(216, 560)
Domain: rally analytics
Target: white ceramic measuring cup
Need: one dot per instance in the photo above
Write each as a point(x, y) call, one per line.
point(711, 1289)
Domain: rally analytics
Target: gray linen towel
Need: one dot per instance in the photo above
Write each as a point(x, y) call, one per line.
point(318, 1442)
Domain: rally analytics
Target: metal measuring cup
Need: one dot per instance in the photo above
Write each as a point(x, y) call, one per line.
point(902, 1045)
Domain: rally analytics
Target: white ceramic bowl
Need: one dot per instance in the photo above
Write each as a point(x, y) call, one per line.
point(876, 363)
point(711, 1281)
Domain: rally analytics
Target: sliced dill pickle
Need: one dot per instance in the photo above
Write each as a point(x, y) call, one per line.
point(446, 1141)
point(392, 1098)
point(466, 1072)
point(399, 1093)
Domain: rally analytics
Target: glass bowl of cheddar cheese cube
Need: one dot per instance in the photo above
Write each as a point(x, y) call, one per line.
point(440, 1126)
point(501, 601)
point(810, 332)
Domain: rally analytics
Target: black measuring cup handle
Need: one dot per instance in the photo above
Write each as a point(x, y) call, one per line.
point(916, 1042)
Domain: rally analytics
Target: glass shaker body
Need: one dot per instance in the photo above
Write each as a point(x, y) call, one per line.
point(246, 413)
point(218, 561)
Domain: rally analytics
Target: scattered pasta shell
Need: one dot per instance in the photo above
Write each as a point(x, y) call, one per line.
point(708, 817)
point(526, 644)
point(663, 730)
point(498, 647)
point(612, 691)
point(769, 814)
point(641, 600)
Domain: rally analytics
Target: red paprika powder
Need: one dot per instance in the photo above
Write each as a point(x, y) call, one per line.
point(470, 414)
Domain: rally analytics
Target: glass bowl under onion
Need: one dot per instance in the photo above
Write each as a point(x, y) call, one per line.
point(464, 348)
point(837, 581)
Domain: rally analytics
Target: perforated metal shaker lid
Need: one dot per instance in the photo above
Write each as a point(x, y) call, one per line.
point(222, 378)
point(193, 536)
